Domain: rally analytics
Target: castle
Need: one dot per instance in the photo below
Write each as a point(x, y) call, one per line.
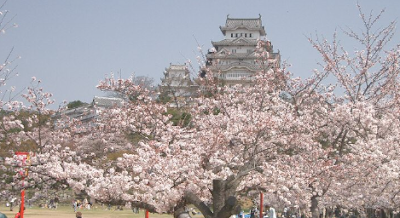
point(233, 60)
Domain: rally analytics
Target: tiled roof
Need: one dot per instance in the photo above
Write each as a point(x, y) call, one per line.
point(240, 55)
point(177, 67)
point(239, 22)
point(247, 23)
point(234, 42)
point(232, 56)
point(107, 102)
point(249, 66)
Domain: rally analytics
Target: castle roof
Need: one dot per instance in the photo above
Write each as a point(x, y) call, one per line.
point(107, 102)
point(243, 23)
point(235, 42)
point(177, 67)
point(251, 55)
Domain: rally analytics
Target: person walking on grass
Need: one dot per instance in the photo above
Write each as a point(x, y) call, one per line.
point(75, 205)
point(270, 211)
point(12, 202)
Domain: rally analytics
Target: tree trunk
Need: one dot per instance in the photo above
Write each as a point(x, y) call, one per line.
point(370, 213)
point(180, 210)
point(397, 215)
point(218, 194)
point(314, 207)
point(181, 213)
point(225, 203)
point(329, 212)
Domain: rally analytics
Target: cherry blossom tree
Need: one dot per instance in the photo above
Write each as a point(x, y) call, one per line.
point(8, 105)
point(299, 141)
point(225, 150)
point(356, 129)
point(302, 142)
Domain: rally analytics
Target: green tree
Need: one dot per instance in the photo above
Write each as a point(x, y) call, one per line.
point(75, 104)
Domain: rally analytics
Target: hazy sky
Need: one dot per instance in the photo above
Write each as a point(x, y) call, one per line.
point(72, 44)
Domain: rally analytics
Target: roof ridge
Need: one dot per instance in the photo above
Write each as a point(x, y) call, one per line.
point(243, 18)
point(259, 18)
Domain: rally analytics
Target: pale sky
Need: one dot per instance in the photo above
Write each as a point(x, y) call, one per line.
point(72, 44)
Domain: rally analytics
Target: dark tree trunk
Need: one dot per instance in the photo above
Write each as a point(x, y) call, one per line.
point(397, 215)
point(225, 203)
point(370, 213)
point(224, 194)
point(329, 212)
point(218, 194)
point(314, 207)
point(179, 210)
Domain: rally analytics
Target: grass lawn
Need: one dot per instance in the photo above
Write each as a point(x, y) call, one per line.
point(68, 212)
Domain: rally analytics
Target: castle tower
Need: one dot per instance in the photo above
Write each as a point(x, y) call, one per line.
point(234, 60)
point(177, 85)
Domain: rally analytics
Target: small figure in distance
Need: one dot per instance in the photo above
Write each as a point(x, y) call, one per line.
point(270, 211)
point(12, 201)
point(253, 212)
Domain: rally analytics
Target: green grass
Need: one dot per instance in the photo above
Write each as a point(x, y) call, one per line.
point(68, 212)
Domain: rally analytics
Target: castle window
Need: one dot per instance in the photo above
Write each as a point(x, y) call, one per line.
point(245, 35)
point(237, 35)
point(231, 35)
point(250, 35)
